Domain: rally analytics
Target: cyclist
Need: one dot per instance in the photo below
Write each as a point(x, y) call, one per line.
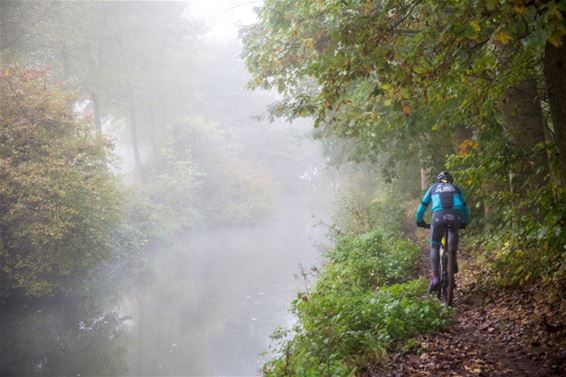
point(449, 210)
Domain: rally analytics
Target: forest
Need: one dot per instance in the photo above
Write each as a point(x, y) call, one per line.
point(155, 181)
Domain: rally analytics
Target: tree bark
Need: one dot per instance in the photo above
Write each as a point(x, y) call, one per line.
point(555, 77)
point(424, 175)
point(96, 111)
point(524, 125)
point(135, 144)
point(65, 61)
point(462, 134)
point(4, 27)
point(153, 133)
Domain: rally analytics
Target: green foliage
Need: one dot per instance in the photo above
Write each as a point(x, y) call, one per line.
point(533, 246)
point(368, 261)
point(59, 203)
point(527, 240)
point(338, 331)
point(382, 208)
point(427, 84)
point(233, 190)
point(353, 315)
point(393, 74)
point(200, 179)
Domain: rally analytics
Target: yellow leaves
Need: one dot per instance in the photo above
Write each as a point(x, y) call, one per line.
point(475, 25)
point(473, 369)
point(7, 71)
point(557, 20)
point(367, 8)
point(520, 10)
point(554, 40)
point(556, 14)
point(502, 37)
point(528, 276)
point(466, 146)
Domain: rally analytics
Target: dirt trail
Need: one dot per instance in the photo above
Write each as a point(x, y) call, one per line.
point(499, 332)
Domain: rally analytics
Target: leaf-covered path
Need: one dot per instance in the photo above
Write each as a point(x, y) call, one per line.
point(495, 333)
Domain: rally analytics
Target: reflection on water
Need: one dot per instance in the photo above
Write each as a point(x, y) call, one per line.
point(210, 302)
point(62, 339)
point(215, 297)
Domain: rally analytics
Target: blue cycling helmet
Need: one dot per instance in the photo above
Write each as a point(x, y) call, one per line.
point(444, 176)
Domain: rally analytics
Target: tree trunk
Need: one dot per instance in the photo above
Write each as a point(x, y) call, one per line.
point(96, 111)
point(163, 115)
point(524, 125)
point(555, 76)
point(4, 27)
point(153, 133)
point(424, 175)
point(65, 61)
point(135, 143)
point(462, 134)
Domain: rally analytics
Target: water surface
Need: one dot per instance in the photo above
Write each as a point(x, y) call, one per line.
point(207, 306)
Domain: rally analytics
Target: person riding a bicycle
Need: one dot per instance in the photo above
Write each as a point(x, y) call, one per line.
point(449, 213)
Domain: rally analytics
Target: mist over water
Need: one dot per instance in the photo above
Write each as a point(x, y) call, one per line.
point(206, 307)
point(214, 297)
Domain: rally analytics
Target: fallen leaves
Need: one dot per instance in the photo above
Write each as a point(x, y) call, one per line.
point(495, 332)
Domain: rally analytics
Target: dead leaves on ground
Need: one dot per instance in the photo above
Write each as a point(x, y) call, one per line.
point(496, 332)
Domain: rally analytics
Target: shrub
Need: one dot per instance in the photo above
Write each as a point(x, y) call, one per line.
point(368, 261)
point(337, 331)
point(345, 322)
point(59, 202)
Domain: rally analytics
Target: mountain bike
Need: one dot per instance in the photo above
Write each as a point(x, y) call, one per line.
point(447, 270)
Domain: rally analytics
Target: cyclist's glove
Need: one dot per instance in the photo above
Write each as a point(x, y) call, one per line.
point(463, 225)
point(421, 224)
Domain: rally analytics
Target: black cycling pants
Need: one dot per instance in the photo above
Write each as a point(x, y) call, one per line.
point(446, 219)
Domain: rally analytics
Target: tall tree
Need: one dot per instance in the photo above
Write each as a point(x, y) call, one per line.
point(555, 75)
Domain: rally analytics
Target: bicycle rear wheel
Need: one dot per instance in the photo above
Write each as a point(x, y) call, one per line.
point(442, 277)
point(448, 293)
point(442, 290)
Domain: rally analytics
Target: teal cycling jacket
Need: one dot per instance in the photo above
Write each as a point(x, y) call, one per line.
point(443, 196)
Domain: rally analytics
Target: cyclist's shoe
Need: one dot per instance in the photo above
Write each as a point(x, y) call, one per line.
point(434, 285)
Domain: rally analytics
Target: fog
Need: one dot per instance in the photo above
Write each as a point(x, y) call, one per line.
point(223, 203)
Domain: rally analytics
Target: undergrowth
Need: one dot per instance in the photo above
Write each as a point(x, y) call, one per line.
point(363, 305)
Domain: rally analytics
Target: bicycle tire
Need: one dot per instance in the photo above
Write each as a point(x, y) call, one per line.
point(450, 284)
point(442, 275)
point(442, 290)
